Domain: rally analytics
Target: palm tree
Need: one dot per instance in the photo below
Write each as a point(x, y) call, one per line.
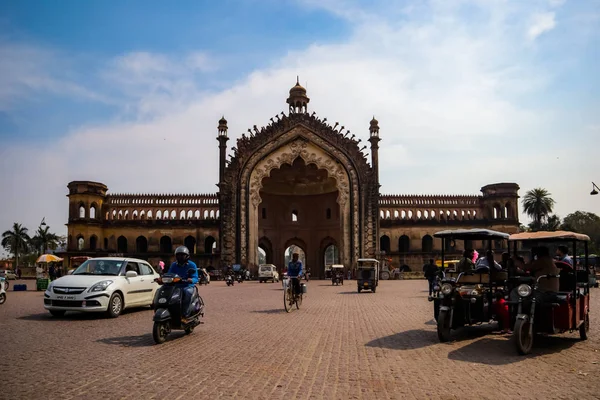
point(538, 204)
point(16, 241)
point(44, 239)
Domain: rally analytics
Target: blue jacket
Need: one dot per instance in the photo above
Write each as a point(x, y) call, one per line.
point(182, 271)
point(294, 269)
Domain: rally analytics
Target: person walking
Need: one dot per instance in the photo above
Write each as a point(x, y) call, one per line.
point(430, 271)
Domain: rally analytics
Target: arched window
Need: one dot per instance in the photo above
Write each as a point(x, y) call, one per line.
point(427, 244)
point(166, 245)
point(332, 254)
point(264, 213)
point(190, 243)
point(384, 243)
point(294, 216)
point(93, 210)
point(122, 244)
point(105, 243)
point(93, 242)
point(141, 244)
point(80, 243)
point(404, 244)
point(81, 211)
point(209, 244)
point(328, 213)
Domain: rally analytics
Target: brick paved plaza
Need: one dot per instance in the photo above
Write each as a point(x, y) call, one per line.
point(339, 345)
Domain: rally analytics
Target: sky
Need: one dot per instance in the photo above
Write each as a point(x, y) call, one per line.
point(129, 93)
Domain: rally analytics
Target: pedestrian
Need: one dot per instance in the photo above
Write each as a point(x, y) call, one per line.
point(52, 272)
point(161, 267)
point(349, 274)
point(19, 272)
point(430, 271)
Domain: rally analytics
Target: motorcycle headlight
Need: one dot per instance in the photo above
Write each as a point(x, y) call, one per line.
point(524, 290)
point(447, 288)
point(100, 286)
point(167, 279)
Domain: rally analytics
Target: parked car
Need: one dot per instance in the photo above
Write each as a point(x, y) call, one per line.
point(106, 284)
point(267, 272)
point(8, 274)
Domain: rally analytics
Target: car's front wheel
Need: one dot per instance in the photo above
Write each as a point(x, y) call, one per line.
point(115, 305)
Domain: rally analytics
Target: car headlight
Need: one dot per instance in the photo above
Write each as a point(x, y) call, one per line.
point(524, 290)
point(100, 286)
point(446, 288)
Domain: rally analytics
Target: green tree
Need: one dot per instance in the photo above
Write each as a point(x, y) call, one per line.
point(44, 240)
point(587, 223)
point(16, 241)
point(538, 205)
point(552, 223)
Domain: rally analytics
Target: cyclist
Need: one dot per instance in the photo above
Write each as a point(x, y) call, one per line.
point(294, 273)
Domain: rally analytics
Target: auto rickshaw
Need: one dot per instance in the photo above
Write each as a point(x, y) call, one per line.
point(467, 298)
point(552, 312)
point(337, 274)
point(367, 274)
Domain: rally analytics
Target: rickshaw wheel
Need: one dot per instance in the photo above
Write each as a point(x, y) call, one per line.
point(373, 289)
point(443, 326)
point(585, 327)
point(523, 339)
point(359, 289)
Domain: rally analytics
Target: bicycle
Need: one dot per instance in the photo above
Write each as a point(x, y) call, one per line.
point(290, 297)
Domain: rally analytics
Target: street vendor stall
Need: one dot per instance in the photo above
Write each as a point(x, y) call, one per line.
point(42, 278)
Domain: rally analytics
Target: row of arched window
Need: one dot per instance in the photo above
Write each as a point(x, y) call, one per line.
point(123, 245)
point(428, 214)
point(162, 214)
point(154, 201)
point(404, 244)
point(385, 200)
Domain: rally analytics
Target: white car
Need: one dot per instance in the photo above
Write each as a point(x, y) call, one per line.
point(8, 274)
point(267, 272)
point(105, 284)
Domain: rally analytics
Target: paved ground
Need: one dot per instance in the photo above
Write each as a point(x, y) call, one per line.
point(339, 345)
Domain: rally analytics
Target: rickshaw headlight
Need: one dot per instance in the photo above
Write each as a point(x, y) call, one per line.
point(436, 288)
point(446, 288)
point(524, 290)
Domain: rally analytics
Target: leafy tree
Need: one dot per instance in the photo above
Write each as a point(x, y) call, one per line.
point(587, 223)
point(552, 223)
point(44, 240)
point(16, 241)
point(538, 204)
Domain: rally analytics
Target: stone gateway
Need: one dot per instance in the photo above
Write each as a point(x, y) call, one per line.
point(298, 183)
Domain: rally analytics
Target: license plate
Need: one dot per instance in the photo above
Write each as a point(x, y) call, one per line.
point(65, 297)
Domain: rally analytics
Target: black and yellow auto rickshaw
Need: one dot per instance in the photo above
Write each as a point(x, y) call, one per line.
point(468, 298)
point(337, 274)
point(367, 274)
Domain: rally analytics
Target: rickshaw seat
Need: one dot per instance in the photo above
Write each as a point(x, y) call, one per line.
point(475, 278)
point(559, 297)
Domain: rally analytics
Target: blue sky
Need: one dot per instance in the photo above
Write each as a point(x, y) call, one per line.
point(128, 93)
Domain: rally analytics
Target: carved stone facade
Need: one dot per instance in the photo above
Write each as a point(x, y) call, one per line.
point(299, 180)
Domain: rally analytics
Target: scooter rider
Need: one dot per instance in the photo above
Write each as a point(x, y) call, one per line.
point(181, 267)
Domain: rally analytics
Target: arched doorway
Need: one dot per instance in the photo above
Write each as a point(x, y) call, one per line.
point(265, 251)
point(298, 199)
point(288, 253)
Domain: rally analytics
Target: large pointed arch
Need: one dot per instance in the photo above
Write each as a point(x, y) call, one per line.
point(301, 142)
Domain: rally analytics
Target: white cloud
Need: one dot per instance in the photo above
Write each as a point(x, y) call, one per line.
point(541, 23)
point(446, 93)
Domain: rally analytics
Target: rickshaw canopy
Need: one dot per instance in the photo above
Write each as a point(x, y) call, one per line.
point(367, 263)
point(549, 236)
point(471, 234)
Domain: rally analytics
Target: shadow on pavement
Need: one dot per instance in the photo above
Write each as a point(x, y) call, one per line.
point(131, 341)
point(77, 316)
point(407, 340)
point(502, 351)
point(353, 292)
point(273, 311)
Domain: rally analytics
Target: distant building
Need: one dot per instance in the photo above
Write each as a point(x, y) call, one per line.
point(298, 181)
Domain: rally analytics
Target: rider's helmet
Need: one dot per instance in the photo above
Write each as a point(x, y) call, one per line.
point(182, 254)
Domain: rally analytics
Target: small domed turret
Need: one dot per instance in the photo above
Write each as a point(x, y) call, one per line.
point(298, 100)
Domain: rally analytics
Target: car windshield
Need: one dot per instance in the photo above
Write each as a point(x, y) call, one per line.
point(265, 268)
point(99, 267)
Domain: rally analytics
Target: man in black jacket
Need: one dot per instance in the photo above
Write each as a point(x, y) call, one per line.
point(430, 270)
